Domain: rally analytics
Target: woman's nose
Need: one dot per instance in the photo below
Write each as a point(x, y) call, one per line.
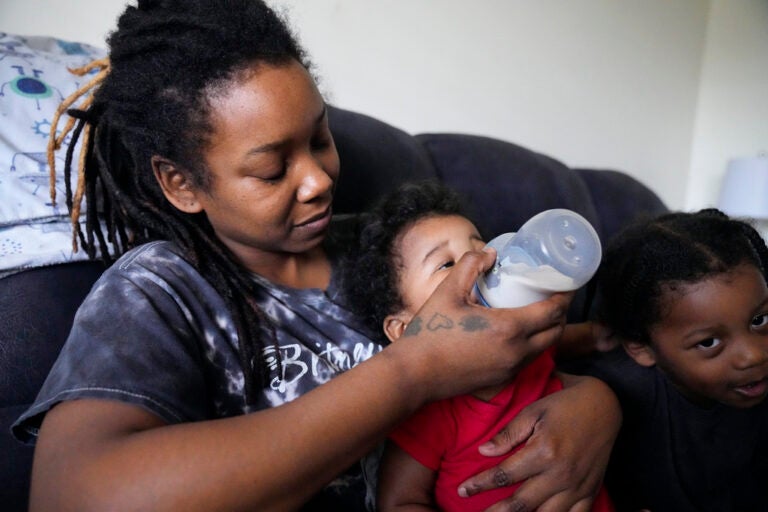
point(316, 179)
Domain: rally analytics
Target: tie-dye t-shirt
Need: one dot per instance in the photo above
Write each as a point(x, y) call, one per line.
point(154, 333)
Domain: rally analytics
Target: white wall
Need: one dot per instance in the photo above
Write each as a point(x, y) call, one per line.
point(75, 20)
point(732, 115)
point(645, 86)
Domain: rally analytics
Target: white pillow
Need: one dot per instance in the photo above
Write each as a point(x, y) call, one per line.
point(34, 79)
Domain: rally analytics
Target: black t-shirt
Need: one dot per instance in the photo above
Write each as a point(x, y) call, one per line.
point(672, 455)
point(154, 333)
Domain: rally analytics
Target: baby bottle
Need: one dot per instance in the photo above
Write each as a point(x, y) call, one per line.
point(555, 251)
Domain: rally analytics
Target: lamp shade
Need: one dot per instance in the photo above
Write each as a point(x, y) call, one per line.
point(745, 188)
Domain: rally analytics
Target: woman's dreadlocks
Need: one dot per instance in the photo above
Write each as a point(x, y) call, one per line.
point(150, 98)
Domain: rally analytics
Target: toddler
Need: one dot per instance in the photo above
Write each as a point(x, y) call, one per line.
point(407, 247)
point(686, 296)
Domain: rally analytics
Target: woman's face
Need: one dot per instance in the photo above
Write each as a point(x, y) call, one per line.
point(272, 162)
point(712, 341)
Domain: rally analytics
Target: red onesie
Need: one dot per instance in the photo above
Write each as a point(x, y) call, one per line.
point(444, 436)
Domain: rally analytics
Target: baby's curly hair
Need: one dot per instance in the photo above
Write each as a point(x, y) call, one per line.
point(373, 269)
point(650, 257)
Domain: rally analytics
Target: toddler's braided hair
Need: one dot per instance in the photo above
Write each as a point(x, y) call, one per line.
point(653, 256)
point(166, 58)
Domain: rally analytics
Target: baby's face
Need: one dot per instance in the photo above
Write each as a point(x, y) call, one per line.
point(712, 341)
point(428, 250)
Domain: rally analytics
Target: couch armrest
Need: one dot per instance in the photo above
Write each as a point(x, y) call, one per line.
point(37, 307)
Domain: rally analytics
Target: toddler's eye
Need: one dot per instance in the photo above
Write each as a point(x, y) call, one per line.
point(709, 343)
point(760, 320)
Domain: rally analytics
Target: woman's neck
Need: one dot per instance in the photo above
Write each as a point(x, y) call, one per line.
point(311, 269)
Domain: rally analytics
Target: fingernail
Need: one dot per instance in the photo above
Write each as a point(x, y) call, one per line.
point(463, 492)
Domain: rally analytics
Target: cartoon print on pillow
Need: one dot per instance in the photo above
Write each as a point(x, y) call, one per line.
point(34, 79)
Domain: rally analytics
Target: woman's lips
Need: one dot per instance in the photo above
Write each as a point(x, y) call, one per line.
point(318, 222)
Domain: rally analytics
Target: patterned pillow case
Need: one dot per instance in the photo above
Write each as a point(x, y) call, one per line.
point(34, 79)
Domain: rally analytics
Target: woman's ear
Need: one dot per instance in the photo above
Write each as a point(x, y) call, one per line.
point(176, 185)
point(394, 325)
point(642, 353)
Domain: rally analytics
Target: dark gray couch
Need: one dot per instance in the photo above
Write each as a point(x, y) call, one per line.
point(506, 183)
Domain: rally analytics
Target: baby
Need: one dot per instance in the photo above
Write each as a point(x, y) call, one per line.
point(407, 247)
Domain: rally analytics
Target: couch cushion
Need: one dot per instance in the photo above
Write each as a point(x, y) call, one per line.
point(506, 184)
point(619, 198)
point(37, 307)
point(375, 158)
point(15, 464)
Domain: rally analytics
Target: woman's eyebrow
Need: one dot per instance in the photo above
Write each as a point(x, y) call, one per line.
point(265, 148)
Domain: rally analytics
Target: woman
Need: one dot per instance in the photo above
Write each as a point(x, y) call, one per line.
point(214, 367)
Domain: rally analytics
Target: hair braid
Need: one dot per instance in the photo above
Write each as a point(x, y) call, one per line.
point(649, 258)
point(758, 244)
point(76, 231)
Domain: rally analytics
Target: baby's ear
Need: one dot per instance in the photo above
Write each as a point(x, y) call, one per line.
point(394, 325)
point(642, 353)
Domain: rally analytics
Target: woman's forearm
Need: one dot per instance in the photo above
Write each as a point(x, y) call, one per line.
point(100, 455)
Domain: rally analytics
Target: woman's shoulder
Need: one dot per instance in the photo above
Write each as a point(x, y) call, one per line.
point(155, 268)
point(161, 258)
point(149, 255)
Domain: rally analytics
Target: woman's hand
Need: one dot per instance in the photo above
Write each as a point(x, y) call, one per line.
point(568, 439)
point(454, 345)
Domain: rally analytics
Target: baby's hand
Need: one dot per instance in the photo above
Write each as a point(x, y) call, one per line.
point(603, 337)
point(584, 338)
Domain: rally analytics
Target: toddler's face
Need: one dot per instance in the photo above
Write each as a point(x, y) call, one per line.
point(428, 250)
point(712, 341)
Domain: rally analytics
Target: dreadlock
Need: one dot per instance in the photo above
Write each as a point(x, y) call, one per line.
point(674, 249)
point(149, 98)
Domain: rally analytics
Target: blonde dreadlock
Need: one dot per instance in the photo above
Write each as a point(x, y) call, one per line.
point(54, 141)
